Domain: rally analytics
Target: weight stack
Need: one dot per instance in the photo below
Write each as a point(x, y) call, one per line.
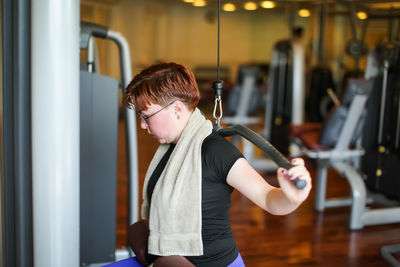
point(281, 80)
point(381, 138)
point(318, 100)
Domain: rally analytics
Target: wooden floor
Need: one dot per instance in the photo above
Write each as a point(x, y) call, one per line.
point(303, 238)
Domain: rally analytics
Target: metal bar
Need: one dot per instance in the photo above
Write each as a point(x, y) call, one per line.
point(298, 84)
point(22, 135)
point(353, 117)
point(387, 251)
point(321, 43)
point(358, 192)
point(338, 202)
point(264, 145)
point(270, 95)
point(90, 55)
point(130, 120)
point(321, 183)
point(55, 132)
point(381, 216)
point(390, 29)
point(353, 19)
point(398, 31)
point(397, 139)
point(7, 201)
point(364, 30)
point(249, 83)
point(383, 99)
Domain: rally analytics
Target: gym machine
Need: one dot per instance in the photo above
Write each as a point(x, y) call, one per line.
point(99, 108)
point(347, 155)
point(284, 99)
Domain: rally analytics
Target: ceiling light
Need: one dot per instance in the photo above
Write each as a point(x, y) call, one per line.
point(250, 5)
point(267, 4)
point(229, 7)
point(188, 1)
point(199, 3)
point(362, 15)
point(304, 13)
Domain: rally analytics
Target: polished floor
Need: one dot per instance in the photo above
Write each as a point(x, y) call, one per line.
point(303, 238)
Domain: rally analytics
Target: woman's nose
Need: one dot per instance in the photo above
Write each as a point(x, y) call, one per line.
point(143, 124)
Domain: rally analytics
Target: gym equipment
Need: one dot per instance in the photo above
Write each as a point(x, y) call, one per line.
point(382, 134)
point(284, 100)
point(98, 166)
point(318, 102)
point(356, 47)
point(345, 158)
point(241, 130)
point(55, 132)
point(264, 145)
point(99, 110)
point(244, 98)
point(247, 95)
point(281, 96)
point(381, 145)
point(386, 253)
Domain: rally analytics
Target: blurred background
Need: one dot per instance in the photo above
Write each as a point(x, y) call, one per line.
point(185, 31)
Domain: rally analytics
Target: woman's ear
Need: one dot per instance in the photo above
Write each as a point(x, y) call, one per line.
point(179, 107)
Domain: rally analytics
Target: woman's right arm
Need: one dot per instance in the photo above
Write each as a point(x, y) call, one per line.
point(278, 201)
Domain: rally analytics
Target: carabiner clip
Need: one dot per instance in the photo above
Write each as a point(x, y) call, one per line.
point(218, 102)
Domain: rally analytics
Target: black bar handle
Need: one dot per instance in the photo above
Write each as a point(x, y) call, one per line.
point(264, 145)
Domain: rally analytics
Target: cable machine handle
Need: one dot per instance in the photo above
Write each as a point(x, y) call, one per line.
point(264, 145)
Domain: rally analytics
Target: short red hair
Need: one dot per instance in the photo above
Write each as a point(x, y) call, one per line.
point(160, 84)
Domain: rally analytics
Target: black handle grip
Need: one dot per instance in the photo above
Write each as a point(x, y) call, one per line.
point(264, 145)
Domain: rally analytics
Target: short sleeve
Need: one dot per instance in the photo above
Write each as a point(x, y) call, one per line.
point(218, 155)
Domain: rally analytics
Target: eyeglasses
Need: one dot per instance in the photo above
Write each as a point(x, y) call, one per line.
point(146, 118)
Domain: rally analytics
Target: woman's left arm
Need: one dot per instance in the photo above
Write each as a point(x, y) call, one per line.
point(278, 201)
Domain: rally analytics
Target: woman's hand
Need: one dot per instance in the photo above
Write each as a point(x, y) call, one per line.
point(298, 171)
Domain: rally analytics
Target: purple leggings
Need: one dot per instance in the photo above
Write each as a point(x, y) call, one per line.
point(238, 262)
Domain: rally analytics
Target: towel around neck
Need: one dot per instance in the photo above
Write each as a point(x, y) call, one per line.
point(175, 213)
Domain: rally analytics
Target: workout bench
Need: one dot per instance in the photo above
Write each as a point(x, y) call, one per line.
point(344, 157)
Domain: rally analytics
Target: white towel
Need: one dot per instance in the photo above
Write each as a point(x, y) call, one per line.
point(175, 214)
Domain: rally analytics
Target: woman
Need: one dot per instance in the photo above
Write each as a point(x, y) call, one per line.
point(187, 189)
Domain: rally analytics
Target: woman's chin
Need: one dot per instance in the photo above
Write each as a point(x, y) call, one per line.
point(161, 141)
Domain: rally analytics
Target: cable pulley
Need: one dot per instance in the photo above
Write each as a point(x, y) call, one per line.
point(218, 85)
point(241, 130)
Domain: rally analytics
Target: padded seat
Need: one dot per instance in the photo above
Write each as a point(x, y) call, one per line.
point(296, 130)
point(129, 262)
point(310, 139)
point(308, 134)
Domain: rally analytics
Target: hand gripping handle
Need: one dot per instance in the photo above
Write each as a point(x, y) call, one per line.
point(264, 145)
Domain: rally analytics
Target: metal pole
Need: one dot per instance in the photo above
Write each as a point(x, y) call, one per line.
point(2, 204)
point(22, 133)
point(55, 132)
point(298, 84)
point(133, 169)
point(321, 45)
point(8, 255)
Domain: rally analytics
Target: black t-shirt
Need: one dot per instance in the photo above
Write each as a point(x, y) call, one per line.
point(218, 156)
